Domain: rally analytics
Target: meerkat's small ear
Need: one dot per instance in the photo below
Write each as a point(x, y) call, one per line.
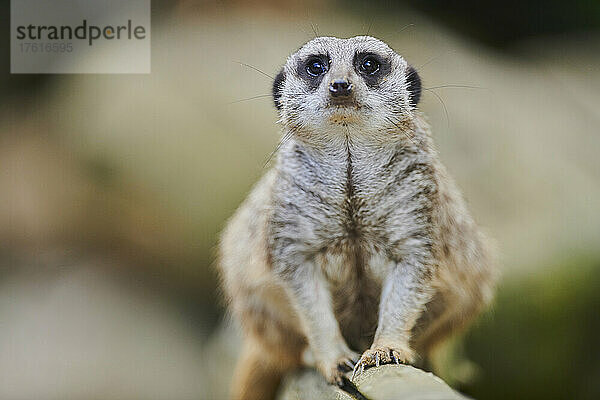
point(277, 88)
point(413, 81)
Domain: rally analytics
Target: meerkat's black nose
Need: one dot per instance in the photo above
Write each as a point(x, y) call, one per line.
point(340, 87)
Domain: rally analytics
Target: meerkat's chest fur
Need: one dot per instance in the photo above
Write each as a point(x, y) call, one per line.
point(352, 208)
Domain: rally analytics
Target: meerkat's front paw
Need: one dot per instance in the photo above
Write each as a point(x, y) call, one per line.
point(376, 356)
point(334, 371)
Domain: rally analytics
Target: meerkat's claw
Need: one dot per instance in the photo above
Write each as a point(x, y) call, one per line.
point(380, 356)
point(346, 366)
point(347, 362)
point(334, 372)
point(358, 370)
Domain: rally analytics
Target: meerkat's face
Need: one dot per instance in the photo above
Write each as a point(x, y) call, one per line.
point(354, 82)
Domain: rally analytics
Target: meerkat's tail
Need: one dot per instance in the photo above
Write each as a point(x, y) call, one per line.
point(258, 374)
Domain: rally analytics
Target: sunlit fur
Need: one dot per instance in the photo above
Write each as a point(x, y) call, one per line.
point(356, 241)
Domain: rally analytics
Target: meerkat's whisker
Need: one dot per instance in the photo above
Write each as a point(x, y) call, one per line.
point(260, 96)
point(411, 138)
point(314, 29)
point(370, 26)
point(420, 67)
point(443, 105)
point(283, 140)
point(254, 68)
point(455, 87)
point(409, 25)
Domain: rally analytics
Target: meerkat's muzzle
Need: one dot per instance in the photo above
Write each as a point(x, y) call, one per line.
point(340, 88)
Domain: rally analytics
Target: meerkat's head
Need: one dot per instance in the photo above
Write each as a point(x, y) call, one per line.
point(355, 82)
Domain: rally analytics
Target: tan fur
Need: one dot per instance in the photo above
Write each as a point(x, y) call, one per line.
point(356, 241)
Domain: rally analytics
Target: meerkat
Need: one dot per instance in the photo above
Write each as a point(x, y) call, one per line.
point(356, 246)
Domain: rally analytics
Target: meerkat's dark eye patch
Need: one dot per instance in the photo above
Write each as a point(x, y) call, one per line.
point(313, 68)
point(369, 65)
point(316, 66)
point(413, 85)
point(372, 67)
point(277, 88)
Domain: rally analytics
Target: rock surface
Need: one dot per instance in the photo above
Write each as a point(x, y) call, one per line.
point(388, 382)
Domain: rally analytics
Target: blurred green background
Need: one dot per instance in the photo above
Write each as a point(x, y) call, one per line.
point(114, 189)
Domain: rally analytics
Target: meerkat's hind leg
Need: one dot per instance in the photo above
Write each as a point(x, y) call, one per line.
point(259, 373)
point(445, 316)
point(254, 378)
point(271, 348)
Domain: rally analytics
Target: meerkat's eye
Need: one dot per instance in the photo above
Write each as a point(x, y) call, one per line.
point(369, 65)
point(315, 66)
